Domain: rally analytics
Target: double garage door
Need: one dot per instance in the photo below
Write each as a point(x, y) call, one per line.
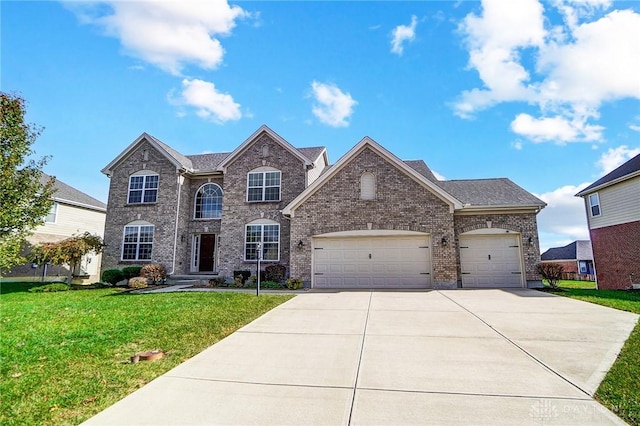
point(372, 262)
point(490, 261)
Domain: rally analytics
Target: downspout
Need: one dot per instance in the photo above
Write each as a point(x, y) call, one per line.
point(175, 234)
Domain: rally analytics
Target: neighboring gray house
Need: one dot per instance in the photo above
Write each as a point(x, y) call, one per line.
point(576, 259)
point(371, 220)
point(73, 213)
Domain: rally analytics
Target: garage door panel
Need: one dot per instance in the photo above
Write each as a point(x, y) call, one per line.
point(490, 261)
point(372, 262)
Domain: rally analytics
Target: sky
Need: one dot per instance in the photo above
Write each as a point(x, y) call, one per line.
point(546, 94)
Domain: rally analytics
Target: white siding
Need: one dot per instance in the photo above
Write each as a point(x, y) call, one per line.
point(315, 173)
point(619, 204)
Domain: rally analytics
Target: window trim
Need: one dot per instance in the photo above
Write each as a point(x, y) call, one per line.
point(264, 186)
point(195, 202)
point(261, 225)
point(374, 186)
point(54, 209)
point(597, 204)
point(144, 189)
point(137, 243)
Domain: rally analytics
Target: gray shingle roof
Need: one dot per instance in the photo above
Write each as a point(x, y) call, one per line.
point(421, 167)
point(312, 153)
point(577, 250)
point(207, 162)
point(489, 192)
point(64, 192)
point(184, 161)
point(630, 167)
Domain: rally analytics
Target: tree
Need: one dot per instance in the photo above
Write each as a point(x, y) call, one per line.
point(25, 199)
point(69, 251)
point(552, 272)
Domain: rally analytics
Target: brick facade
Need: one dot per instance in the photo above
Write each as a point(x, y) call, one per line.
point(616, 252)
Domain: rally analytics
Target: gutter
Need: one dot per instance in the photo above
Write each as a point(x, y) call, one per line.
point(180, 182)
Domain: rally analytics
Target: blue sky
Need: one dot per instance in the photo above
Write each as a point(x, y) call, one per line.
point(544, 93)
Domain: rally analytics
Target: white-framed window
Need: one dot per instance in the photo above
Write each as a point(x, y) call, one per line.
point(52, 215)
point(208, 204)
point(263, 185)
point(594, 205)
point(265, 234)
point(137, 241)
point(143, 188)
point(368, 186)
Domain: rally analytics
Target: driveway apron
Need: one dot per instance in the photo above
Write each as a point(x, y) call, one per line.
point(482, 357)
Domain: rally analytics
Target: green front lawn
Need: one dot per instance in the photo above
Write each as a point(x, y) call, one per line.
point(620, 389)
point(65, 356)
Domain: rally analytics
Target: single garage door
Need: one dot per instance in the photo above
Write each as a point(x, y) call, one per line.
point(490, 261)
point(372, 262)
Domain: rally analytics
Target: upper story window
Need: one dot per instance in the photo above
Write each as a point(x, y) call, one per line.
point(264, 237)
point(209, 202)
point(263, 186)
point(368, 186)
point(594, 204)
point(137, 242)
point(52, 215)
point(143, 188)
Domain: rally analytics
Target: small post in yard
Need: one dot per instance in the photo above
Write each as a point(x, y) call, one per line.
point(258, 270)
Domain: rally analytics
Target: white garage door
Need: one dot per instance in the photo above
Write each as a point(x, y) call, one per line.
point(372, 262)
point(490, 261)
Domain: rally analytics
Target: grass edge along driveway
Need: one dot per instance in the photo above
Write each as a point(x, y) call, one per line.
point(620, 389)
point(65, 356)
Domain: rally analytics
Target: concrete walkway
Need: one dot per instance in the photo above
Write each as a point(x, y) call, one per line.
point(483, 357)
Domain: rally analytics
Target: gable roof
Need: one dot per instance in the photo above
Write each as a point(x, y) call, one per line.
point(264, 129)
point(177, 159)
point(491, 193)
point(367, 142)
point(577, 250)
point(67, 194)
point(421, 167)
point(625, 171)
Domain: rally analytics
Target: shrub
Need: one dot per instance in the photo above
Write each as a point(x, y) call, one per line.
point(217, 281)
point(112, 276)
point(244, 274)
point(155, 272)
point(131, 271)
point(138, 282)
point(294, 283)
point(552, 272)
point(238, 281)
point(275, 272)
point(49, 288)
point(271, 284)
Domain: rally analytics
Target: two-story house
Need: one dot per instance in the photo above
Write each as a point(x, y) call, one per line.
point(370, 220)
point(612, 204)
point(73, 212)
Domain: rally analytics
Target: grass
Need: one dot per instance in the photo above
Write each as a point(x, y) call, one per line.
point(65, 356)
point(620, 389)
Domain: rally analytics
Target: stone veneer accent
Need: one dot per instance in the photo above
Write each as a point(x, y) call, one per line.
point(616, 254)
point(401, 204)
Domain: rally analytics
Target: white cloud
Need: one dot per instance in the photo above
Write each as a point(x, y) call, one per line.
point(402, 34)
point(333, 107)
point(165, 33)
point(615, 157)
point(564, 219)
point(208, 102)
point(438, 175)
point(568, 71)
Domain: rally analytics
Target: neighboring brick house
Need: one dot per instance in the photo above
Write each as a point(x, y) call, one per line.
point(576, 260)
point(612, 204)
point(73, 213)
point(371, 220)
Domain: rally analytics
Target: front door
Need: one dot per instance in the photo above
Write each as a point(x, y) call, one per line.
point(207, 253)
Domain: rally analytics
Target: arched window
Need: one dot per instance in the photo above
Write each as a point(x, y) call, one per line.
point(209, 202)
point(368, 186)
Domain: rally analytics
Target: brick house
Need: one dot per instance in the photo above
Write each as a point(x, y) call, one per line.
point(576, 259)
point(370, 220)
point(612, 204)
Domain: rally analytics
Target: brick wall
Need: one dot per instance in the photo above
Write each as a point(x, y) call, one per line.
point(401, 204)
point(616, 252)
point(237, 212)
point(523, 223)
point(161, 214)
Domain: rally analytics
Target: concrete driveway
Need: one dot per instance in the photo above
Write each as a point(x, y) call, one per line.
point(382, 358)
